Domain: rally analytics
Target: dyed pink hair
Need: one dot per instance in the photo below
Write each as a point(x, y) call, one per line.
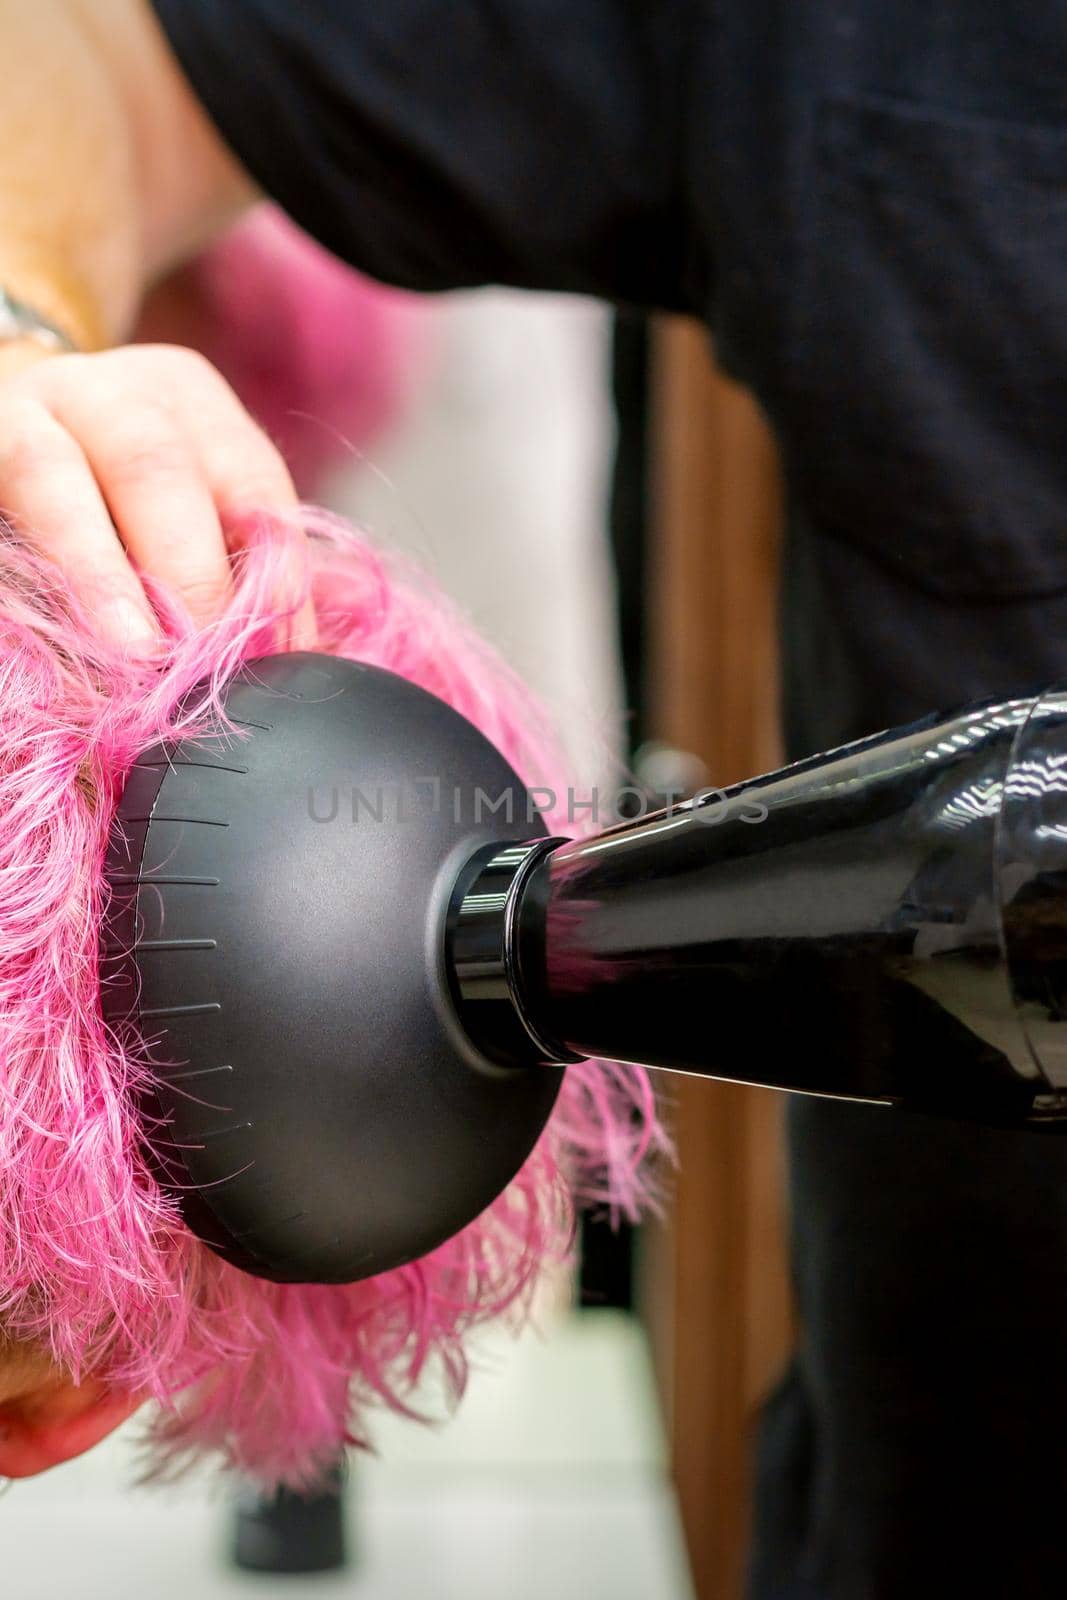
point(95, 1265)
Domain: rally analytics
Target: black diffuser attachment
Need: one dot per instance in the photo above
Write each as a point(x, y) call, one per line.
point(276, 935)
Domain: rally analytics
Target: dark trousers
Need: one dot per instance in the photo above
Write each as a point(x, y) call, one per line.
point(918, 1445)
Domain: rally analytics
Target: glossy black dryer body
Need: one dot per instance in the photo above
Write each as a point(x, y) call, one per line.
point(887, 922)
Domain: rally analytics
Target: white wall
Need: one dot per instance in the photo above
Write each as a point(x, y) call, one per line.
point(498, 480)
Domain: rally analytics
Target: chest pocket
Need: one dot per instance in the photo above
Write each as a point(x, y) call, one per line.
point(926, 361)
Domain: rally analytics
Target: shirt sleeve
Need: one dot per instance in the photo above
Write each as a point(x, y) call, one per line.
point(437, 144)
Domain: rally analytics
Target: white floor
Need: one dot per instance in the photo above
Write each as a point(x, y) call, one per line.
point(548, 1483)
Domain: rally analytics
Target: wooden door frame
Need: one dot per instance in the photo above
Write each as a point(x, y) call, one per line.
point(714, 1281)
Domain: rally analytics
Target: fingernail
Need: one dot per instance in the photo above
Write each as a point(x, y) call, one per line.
point(128, 625)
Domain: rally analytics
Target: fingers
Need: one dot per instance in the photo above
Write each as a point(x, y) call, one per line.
point(247, 476)
point(48, 490)
point(180, 462)
point(157, 495)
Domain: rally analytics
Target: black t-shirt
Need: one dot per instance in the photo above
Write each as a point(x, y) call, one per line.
point(866, 200)
point(438, 146)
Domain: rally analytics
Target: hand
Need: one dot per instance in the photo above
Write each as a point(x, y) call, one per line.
point(138, 460)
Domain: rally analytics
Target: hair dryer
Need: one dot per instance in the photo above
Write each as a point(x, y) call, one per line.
point(362, 967)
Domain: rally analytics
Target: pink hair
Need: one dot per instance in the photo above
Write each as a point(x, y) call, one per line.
point(95, 1264)
point(323, 358)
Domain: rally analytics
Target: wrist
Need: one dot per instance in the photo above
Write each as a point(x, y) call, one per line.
point(50, 300)
point(39, 318)
point(18, 355)
point(20, 320)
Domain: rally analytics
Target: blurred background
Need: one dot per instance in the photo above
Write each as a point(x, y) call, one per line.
point(605, 508)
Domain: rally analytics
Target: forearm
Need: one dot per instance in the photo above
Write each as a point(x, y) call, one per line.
point(109, 171)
